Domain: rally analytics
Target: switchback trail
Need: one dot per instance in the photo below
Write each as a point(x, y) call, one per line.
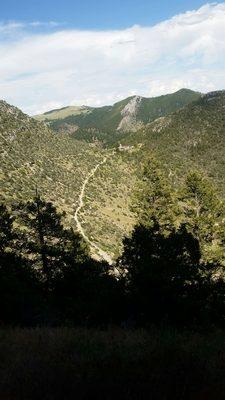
point(80, 229)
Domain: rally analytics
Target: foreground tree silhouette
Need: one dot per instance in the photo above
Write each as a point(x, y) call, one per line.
point(76, 288)
point(165, 279)
point(174, 258)
point(46, 241)
point(20, 295)
point(89, 295)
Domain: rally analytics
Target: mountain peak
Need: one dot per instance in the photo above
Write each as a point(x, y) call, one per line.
point(185, 90)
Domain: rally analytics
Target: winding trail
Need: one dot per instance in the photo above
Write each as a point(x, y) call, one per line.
point(105, 256)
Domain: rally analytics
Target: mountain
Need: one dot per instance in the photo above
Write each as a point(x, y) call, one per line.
point(33, 156)
point(109, 123)
point(193, 137)
point(63, 168)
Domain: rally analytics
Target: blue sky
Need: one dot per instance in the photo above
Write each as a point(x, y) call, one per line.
point(96, 14)
point(59, 53)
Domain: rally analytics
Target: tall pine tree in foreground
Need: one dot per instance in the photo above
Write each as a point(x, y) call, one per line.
point(45, 240)
point(19, 288)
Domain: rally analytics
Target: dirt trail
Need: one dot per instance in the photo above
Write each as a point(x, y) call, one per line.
point(102, 254)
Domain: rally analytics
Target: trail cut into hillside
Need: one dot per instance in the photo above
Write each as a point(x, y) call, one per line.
point(101, 253)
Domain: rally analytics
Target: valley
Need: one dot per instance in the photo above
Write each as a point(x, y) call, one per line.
point(102, 254)
point(92, 179)
point(112, 200)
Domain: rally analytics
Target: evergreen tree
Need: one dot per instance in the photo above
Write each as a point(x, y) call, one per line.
point(18, 284)
point(164, 268)
point(7, 234)
point(89, 295)
point(165, 279)
point(45, 240)
point(203, 212)
point(155, 197)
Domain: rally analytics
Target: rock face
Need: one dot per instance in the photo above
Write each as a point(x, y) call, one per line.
point(129, 122)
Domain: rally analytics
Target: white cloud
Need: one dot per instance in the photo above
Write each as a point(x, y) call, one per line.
point(43, 71)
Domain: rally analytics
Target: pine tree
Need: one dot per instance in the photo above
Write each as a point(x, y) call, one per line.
point(7, 234)
point(163, 274)
point(45, 240)
point(155, 198)
point(204, 212)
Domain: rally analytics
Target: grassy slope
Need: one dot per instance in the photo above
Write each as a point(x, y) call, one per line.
point(33, 156)
point(191, 137)
point(62, 113)
point(107, 215)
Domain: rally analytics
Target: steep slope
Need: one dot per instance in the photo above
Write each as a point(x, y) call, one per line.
point(193, 137)
point(32, 156)
point(110, 123)
point(61, 166)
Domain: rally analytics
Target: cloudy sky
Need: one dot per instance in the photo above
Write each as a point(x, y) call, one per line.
point(51, 63)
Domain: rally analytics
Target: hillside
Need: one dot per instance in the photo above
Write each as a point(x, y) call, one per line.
point(32, 156)
point(62, 113)
point(108, 124)
point(193, 137)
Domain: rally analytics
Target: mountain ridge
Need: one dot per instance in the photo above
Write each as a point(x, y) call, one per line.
point(108, 123)
point(192, 137)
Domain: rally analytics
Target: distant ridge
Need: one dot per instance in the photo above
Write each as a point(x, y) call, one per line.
point(107, 123)
point(62, 113)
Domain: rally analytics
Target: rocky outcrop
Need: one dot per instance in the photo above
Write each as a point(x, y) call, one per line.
point(130, 122)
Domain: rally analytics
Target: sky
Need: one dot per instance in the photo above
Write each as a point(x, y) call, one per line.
point(56, 53)
point(96, 14)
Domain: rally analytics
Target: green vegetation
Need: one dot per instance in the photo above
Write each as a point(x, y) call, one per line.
point(34, 157)
point(191, 138)
point(153, 330)
point(194, 204)
point(107, 214)
point(62, 113)
point(166, 266)
point(57, 164)
point(126, 330)
point(108, 123)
